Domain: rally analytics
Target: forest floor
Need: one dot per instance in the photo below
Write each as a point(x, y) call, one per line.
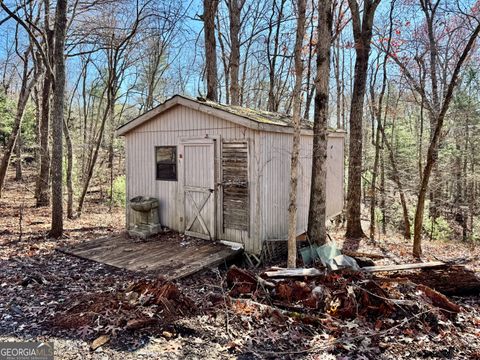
point(49, 296)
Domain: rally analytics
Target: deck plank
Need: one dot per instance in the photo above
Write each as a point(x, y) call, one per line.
point(162, 256)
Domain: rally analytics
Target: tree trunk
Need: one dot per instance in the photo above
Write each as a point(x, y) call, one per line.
point(377, 110)
point(452, 280)
point(91, 164)
point(272, 104)
point(362, 31)
point(373, 185)
point(56, 230)
point(36, 99)
point(108, 113)
point(354, 227)
point(338, 82)
point(420, 141)
point(435, 186)
point(226, 65)
point(18, 156)
point(382, 191)
point(432, 152)
point(310, 88)
point(297, 105)
point(235, 9)
point(111, 154)
point(317, 212)
point(69, 146)
point(25, 91)
point(43, 178)
point(209, 11)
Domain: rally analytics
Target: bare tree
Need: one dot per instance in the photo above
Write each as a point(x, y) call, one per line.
point(117, 41)
point(297, 108)
point(447, 38)
point(362, 24)
point(377, 117)
point(272, 55)
point(156, 54)
point(60, 27)
point(43, 177)
point(209, 11)
point(29, 77)
point(235, 10)
point(317, 213)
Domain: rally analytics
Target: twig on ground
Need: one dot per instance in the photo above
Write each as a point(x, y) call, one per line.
point(224, 295)
point(344, 339)
point(20, 220)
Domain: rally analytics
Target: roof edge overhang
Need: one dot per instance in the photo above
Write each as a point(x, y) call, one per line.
point(205, 108)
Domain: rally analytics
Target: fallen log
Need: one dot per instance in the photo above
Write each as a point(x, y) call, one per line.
point(414, 266)
point(453, 280)
point(439, 300)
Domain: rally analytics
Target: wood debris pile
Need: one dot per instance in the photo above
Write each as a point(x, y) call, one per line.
point(351, 294)
point(356, 312)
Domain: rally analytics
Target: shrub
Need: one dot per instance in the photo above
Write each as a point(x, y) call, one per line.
point(475, 236)
point(119, 191)
point(437, 229)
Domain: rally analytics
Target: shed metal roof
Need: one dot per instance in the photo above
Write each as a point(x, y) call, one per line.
point(254, 119)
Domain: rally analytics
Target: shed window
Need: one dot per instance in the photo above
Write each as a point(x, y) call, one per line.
point(166, 162)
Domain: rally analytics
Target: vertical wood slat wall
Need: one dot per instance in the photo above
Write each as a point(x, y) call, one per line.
point(235, 185)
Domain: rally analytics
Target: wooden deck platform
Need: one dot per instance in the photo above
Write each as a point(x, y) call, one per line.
point(170, 257)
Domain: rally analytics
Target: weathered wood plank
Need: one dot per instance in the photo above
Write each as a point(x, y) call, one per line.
point(235, 202)
point(234, 147)
point(212, 260)
point(235, 162)
point(164, 257)
point(234, 172)
point(427, 265)
point(235, 195)
point(294, 272)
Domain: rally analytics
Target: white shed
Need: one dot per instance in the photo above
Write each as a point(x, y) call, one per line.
point(222, 172)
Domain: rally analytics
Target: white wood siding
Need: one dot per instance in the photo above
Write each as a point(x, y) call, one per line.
point(174, 125)
point(269, 172)
point(273, 153)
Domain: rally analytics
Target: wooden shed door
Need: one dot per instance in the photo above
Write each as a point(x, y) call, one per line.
point(198, 175)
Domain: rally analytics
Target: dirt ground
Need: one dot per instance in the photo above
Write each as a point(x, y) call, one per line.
point(47, 295)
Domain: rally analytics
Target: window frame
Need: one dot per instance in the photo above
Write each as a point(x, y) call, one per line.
point(174, 147)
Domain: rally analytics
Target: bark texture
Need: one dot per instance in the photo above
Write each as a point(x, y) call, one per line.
point(235, 10)
point(209, 11)
point(18, 156)
point(317, 212)
point(377, 117)
point(69, 177)
point(362, 33)
point(58, 119)
point(297, 105)
point(43, 179)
